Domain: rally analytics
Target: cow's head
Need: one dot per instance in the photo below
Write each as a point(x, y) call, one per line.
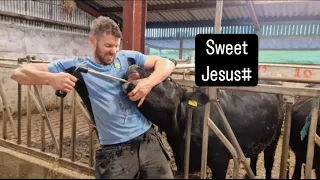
point(166, 106)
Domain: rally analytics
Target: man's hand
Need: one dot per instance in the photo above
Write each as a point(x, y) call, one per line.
point(63, 81)
point(141, 90)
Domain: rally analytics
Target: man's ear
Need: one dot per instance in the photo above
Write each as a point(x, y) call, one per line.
point(92, 39)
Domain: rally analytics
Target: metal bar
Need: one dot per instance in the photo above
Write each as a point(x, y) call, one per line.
point(10, 66)
point(4, 125)
point(205, 142)
point(285, 143)
point(187, 143)
point(267, 64)
point(218, 16)
point(233, 139)
point(91, 146)
point(105, 76)
point(217, 27)
point(19, 115)
point(229, 146)
point(272, 89)
point(28, 117)
point(74, 125)
point(43, 134)
point(312, 135)
point(5, 104)
point(261, 77)
point(61, 127)
point(46, 118)
point(76, 166)
point(28, 111)
point(183, 66)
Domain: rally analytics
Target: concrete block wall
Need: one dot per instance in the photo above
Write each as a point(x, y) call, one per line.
point(18, 42)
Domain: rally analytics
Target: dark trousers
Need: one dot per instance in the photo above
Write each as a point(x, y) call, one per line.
point(144, 156)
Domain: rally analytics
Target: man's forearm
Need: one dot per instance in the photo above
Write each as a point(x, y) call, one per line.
point(161, 71)
point(26, 76)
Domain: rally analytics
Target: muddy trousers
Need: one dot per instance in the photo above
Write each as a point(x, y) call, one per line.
point(143, 157)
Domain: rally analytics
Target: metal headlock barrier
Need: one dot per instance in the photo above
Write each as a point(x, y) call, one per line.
point(271, 72)
point(36, 98)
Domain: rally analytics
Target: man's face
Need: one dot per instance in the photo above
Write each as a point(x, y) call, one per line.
point(105, 48)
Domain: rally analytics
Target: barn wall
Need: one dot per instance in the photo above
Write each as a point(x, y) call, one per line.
point(21, 37)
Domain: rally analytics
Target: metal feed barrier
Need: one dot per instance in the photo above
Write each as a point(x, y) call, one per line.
point(37, 99)
point(270, 72)
point(275, 72)
point(285, 73)
point(289, 73)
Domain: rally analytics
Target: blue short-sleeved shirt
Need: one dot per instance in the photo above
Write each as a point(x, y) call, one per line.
point(117, 118)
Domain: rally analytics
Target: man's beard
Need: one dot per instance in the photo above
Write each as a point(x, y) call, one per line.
point(101, 57)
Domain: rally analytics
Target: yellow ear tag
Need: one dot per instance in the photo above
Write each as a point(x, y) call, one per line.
point(193, 103)
point(116, 65)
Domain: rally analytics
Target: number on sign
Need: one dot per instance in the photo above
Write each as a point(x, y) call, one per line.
point(305, 73)
point(264, 68)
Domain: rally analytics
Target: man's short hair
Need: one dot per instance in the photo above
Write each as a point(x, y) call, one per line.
point(102, 25)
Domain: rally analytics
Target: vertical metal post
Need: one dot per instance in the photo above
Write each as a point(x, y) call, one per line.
point(28, 112)
point(187, 143)
point(218, 16)
point(311, 138)
point(286, 139)
point(74, 125)
point(19, 114)
point(205, 138)
point(61, 127)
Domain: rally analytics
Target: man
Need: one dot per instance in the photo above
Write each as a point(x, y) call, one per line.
point(129, 143)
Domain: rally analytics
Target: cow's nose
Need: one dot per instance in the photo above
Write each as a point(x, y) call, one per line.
point(125, 87)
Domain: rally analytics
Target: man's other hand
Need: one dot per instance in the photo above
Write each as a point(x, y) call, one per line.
point(141, 90)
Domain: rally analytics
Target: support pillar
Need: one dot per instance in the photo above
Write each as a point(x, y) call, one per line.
point(180, 49)
point(134, 25)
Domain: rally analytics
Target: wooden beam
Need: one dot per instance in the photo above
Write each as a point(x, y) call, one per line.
point(253, 15)
point(88, 9)
point(134, 25)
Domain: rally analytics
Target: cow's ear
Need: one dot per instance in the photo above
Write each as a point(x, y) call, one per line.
point(199, 97)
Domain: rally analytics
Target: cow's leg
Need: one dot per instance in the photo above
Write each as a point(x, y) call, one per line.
point(269, 153)
point(297, 167)
point(219, 168)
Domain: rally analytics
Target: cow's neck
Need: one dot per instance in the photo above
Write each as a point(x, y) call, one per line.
point(176, 135)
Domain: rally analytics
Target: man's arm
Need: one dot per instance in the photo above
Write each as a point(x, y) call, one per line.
point(45, 74)
point(32, 74)
point(162, 68)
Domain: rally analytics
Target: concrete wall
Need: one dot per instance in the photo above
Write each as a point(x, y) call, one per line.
point(15, 165)
point(18, 42)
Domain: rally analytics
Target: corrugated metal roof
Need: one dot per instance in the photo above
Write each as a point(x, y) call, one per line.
point(264, 9)
point(264, 43)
